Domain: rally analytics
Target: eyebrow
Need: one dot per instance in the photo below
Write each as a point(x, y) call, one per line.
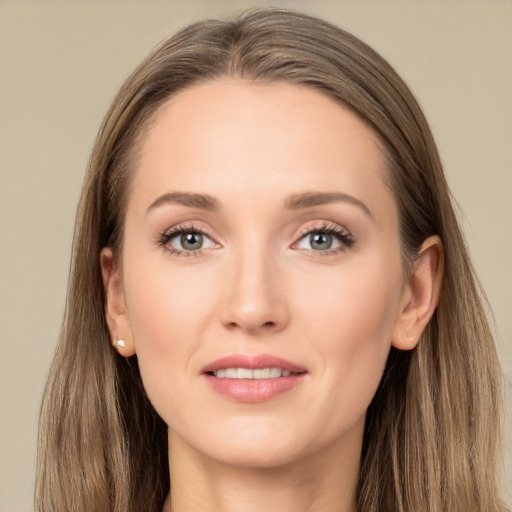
point(293, 202)
point(201, 201)
point(310, 199)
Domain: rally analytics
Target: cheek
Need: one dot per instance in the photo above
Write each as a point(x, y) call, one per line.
point(166, 299)
point(168, 311)
point(350, 325)
point(357, 303)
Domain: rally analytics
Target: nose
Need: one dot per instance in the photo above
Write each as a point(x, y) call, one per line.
point(255, 301)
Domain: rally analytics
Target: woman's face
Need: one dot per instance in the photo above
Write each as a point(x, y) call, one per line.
point(261, 271)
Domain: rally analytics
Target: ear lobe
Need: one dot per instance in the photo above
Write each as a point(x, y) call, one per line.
point(421, 294)
point(116, 313)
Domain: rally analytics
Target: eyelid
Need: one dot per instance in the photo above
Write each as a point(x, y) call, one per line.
point(321, 225)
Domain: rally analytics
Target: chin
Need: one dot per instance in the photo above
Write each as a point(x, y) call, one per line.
point(261, 443)
point(243, 442)
point(257, 455)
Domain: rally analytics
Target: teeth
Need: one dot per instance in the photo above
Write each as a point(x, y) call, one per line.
point(264, 373)
point(275, 372)
point(247, 373)
point(244, 373)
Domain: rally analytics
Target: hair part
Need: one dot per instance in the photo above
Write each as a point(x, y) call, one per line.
point(431, 436)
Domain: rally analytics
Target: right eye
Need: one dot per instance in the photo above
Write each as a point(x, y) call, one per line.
point(186, 241)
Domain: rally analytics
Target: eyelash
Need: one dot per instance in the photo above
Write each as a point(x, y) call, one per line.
point(331, 229)
point(338, 232)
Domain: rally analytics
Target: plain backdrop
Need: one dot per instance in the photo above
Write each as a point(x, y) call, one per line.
point(60, 65)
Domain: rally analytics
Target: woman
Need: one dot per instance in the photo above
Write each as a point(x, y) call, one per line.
point(266, 238)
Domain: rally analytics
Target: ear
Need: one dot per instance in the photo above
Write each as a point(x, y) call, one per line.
point(115, 308)
point(421, 295)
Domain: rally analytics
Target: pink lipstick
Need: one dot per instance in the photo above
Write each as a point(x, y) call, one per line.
point(253, 379)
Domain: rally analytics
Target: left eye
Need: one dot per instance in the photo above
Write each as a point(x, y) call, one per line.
point(189, 241)
point(319, 241)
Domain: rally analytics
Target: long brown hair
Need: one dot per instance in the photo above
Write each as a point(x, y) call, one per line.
point(432, 431)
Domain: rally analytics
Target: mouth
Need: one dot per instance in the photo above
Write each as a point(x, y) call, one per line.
point(253, 379)
point(248, 373)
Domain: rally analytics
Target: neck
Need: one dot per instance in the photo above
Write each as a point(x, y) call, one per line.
point(322, 482)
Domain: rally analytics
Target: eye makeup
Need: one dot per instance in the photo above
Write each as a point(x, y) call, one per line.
point(324, 239)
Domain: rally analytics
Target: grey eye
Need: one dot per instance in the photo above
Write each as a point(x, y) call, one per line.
point(320, 241)
point(191, 241)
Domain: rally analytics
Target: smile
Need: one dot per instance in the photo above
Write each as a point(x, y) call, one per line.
point(248, 373)
point(253, 379)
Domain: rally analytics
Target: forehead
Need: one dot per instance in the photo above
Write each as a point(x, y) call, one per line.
point(230, 136)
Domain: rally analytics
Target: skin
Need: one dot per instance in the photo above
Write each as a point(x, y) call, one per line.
point(259, 286)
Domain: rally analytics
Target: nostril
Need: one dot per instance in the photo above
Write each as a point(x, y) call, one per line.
point(266, 326)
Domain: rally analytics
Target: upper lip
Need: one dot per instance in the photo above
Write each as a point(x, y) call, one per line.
point(257, 362)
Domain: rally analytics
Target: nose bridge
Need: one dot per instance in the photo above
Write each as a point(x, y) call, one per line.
point(256, 298)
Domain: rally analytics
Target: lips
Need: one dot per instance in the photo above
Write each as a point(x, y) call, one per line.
point(258, 362)
point(253, 378)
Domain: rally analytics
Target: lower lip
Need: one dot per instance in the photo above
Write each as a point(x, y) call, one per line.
point(253, 390)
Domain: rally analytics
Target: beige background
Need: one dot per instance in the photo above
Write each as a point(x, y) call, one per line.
point(61, 63)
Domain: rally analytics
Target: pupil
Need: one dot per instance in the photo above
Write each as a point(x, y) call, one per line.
point(192, 241)
point(321, 241)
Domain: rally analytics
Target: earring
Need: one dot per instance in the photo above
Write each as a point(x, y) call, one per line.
point(120, 343)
